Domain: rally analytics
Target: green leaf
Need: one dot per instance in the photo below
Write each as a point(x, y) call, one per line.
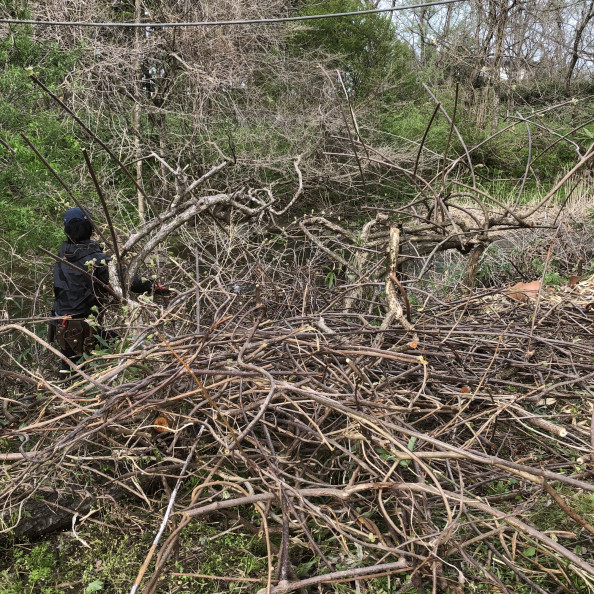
point(385, 455)
point(303, 569)
point(530, 552)
point(330, 279)
point(95, 586)
point(411, 443)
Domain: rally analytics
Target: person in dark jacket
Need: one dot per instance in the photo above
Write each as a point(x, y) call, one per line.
point(81, 281)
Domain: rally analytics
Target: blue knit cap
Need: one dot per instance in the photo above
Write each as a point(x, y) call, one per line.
point(76, 213)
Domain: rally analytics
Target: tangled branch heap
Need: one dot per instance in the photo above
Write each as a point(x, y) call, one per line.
point(298, 414)
point(314, 389)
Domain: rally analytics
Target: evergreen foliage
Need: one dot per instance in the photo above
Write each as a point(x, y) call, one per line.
point(365, 49)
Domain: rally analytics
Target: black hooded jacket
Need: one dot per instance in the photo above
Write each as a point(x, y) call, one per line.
point(76, 293)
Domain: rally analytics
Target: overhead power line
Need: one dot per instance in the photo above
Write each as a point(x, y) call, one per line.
point(220, 23)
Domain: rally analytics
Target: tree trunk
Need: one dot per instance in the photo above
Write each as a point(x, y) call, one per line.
point(472, 266)
point(587, 16)
point(500, 12)
point(137, 113)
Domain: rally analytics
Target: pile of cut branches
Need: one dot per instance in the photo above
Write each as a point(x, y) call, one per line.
point(375, 451)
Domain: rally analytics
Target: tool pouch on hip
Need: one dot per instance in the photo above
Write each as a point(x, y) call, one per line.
point(76, 335)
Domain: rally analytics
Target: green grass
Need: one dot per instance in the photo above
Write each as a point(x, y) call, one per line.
point(111, 561)
point(111, 564)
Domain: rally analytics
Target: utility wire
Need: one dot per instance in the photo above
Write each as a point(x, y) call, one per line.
point(238, 22)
